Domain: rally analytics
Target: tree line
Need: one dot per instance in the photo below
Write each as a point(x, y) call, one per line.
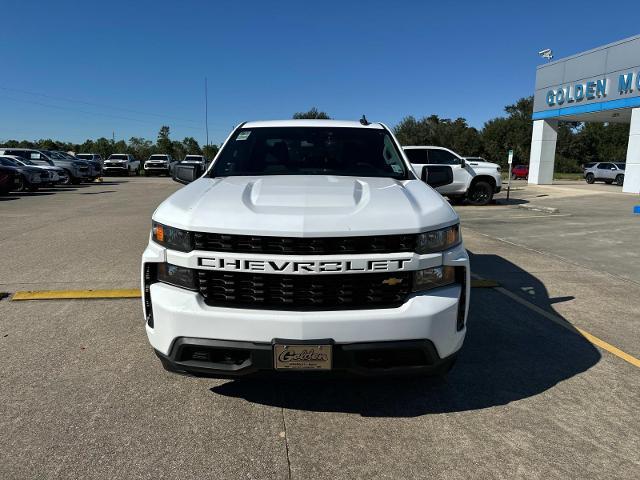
point(578, 143)
point(140, 148)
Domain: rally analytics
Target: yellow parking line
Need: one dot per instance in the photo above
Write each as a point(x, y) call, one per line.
point(610, 348)
point(73, 294)
point(135, 293)
point(564, 323)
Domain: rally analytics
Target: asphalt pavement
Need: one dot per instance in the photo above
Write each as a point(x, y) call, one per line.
point(83, 396)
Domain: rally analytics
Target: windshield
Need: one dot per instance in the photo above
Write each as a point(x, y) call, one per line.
point(24, 161)
point(192, 158)
point(117, 157)
point(8, 162)
point(56, 155)
point(158, 157)
point(311, 151)
point(85, 156)
point(620, 165)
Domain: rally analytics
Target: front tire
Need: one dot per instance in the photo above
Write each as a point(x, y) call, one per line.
point(590, 178)
point(20, 187)
point(480, 193)
point(620, 180)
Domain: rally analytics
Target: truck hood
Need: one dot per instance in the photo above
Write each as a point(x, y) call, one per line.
point(306, 205)
point(478, 164)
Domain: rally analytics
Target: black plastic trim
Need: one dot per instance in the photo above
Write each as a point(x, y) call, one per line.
point(259, 358)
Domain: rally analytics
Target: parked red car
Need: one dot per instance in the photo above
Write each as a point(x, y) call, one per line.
point(520, 171)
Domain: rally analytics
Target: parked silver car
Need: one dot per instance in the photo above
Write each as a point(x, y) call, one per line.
point(607, 172)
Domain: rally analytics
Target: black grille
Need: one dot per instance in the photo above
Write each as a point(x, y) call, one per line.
point(304, 292)
point(218, 242)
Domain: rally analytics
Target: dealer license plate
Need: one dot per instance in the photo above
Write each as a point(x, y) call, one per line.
point(302, 357)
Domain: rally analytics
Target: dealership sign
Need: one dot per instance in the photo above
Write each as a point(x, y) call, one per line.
point(593, 89)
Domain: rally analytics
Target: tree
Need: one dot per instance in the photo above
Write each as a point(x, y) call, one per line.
point(444, 132)
point(140, 148)
point(501, 134)
point(191, 147)
point(163, 143)
point(210, 151)
point(313, 113)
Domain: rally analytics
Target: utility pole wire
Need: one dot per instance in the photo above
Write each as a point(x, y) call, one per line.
point(101, 105)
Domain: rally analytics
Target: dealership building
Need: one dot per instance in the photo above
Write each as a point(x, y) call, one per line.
point(600, 85)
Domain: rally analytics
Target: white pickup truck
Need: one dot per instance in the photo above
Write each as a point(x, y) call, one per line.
point(121, 163)
point(308, 245)
point(474, 179)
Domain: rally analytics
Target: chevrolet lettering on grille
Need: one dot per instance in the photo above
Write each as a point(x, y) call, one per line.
point(302, 267)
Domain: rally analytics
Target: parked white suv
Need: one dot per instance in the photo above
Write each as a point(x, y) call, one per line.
point(121, 163)
point(308, 245)
point(475, 180)
point(607, 172)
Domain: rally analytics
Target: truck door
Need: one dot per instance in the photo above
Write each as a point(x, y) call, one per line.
point(606, 171)
point(461, 176)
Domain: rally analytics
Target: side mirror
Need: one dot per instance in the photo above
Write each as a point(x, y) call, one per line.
point(186, 173)
point(437, 175)
point(463, 163)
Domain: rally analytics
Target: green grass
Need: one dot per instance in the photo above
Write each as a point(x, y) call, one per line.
point(568, 176)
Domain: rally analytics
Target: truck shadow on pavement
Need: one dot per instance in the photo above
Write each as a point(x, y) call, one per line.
point(510, 353)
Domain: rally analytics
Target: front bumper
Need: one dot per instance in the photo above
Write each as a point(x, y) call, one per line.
point(219, 358)
point(115, 168)
point(426, 316)
point(156, 167)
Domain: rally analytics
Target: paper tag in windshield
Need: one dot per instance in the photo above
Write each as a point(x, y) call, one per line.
point(243, 135)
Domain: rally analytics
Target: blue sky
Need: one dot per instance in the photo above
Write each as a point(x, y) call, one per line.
point(77, 70)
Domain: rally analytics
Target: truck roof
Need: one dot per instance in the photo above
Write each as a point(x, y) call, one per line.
point(310, 123)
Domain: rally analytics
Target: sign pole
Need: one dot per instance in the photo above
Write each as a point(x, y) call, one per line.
point(509, 179)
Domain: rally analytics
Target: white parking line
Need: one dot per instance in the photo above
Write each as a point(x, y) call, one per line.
point(517, 216)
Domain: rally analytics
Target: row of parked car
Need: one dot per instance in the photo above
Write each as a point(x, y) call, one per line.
point(156, 164)
point(29, 169)
point(607, 172)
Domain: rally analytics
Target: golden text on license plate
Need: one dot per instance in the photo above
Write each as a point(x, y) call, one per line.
point(302, 357)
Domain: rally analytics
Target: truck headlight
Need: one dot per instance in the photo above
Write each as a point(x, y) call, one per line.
point(177, 276)
point(172, 238)
point(433, 278)
point(438, 240)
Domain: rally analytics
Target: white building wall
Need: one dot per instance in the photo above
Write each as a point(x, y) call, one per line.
point(632, 170)
point(543, 151)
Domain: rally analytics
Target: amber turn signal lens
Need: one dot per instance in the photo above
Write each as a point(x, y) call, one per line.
point(159, 233)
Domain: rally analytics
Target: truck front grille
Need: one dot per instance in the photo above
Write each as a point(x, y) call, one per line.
point(304, 292)
point(218, 242)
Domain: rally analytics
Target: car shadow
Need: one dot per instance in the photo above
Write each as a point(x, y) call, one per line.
point(38, 193)
point(510, 353)
point(96, 193)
